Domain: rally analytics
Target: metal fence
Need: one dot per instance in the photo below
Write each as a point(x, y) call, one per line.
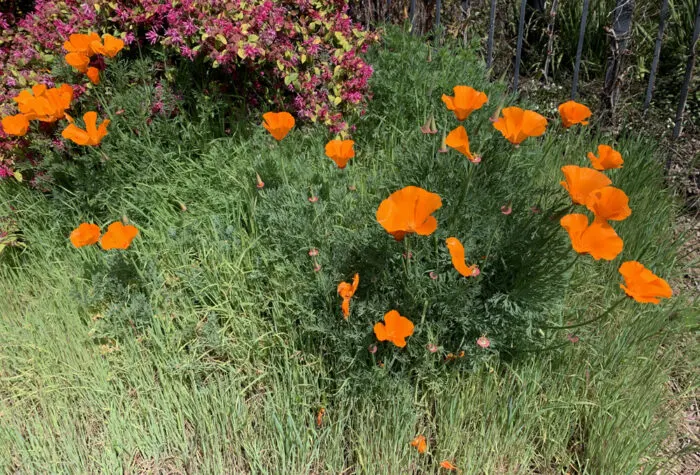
point(619, 33)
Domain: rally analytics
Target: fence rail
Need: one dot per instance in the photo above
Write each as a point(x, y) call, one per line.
point(619, 36)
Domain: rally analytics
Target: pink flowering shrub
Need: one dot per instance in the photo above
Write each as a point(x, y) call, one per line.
point(299, 55)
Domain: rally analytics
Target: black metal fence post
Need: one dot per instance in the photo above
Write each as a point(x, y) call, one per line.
point(657, 55)
point(412, 16)
point(579, 48)
point(688, 76)
point(492, 27)
point(438, 7)
point(519, 47)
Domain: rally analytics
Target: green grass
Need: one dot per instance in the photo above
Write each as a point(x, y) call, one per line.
point(211, 345)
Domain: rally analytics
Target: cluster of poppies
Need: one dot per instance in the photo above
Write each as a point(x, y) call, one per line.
point(410, 209)
point(117, 236)
point(50, 105)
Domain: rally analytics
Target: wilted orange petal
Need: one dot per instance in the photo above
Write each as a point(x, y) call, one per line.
point(420, 444)
point(457, 254)
point(447, 465)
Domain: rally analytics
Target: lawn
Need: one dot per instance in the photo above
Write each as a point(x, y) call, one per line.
point(215, 341)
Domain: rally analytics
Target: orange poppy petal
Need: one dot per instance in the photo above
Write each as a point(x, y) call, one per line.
point(608, 158)
point(609, 203)
point(76, 134)
point(85, 234)
point(278, 124)
point(420, 444)
point(643, 285)
point(17, 124)
point(572, 113)
point(601, 241)
point(78, 60)
point(459, 140)
point(457, 255)
point(93, 75)
point(581, 181)
point(575, 224)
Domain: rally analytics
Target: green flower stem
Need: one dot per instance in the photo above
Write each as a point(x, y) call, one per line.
point(599, 317)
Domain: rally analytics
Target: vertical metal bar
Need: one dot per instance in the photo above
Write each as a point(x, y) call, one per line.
point(412, 16)
point(519, 47)
point(657, 55)
point(492, 27)
point(579, 48)
point(688, 76)
point(438, 7)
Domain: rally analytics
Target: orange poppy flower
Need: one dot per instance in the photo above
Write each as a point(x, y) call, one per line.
point(92, 135)
point(420, 444)
point(458, 140)
point(93, 75)
point(609, 203)
point(607, 158)
point(79, 61)
point(109, 46)
point(447, 465)
point(642, 285)
point(346, 291)
point(118, 236)
point(572, 112)
point(17, 124)
point(340, 151)
point(581, 181)
point(85, 235)
point(278, 124)
point(45, 105)
point(409, 210)
point(81, 43)
point(465, 101)
point(518, 124)
point(394, 329)
point(457, 254)
point(599, 239)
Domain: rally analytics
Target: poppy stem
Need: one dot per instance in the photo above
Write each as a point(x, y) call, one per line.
point(599, 317)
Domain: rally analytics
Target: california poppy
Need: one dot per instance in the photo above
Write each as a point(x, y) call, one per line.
point(79, 61)
point(81, 43)
point(572, 112)
point(92, 135)
point(394, 329)
point(642, 285)
point(607, 158)
point(93, 75)
point(609, 203)
point(581, 181)
point(465, 101)
point(278, 124)
point(109, 46)
point(518, 124)
point(457, 254)
point(447, 465)
point(346, 291)
point(420, 444)
point(340, 151)
point(85, 235)
point(118, 236)
point(599, 239)
point(409, 210)
point(17, 124)
point(458, 140)
point(43, 104)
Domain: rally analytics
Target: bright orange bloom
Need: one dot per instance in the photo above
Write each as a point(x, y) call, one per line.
point(607, 158)
point(457, 254)
point(92, 135)
point(609, 203)
point(17, 124)
point(93, 75)
point(79, 61)
point(599, 239)
point(642, 285)
point(394, 329)
point(409, 210)
point(572, 112)
point(118, 236)
point(340, 151)
point(447, 465)
point(278, 124)
point(346, 291)
point(465, 101)
point(109, 46)
point(518, 124)
point(581, 181)
point(458, 140)
point(81, 43)
point(45, 105)
point(420, 444)
point(85, 235)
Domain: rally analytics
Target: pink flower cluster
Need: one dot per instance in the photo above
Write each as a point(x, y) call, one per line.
point(309, 49)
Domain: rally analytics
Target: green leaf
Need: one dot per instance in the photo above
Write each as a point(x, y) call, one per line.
point(221, 39)
point(18, 176)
